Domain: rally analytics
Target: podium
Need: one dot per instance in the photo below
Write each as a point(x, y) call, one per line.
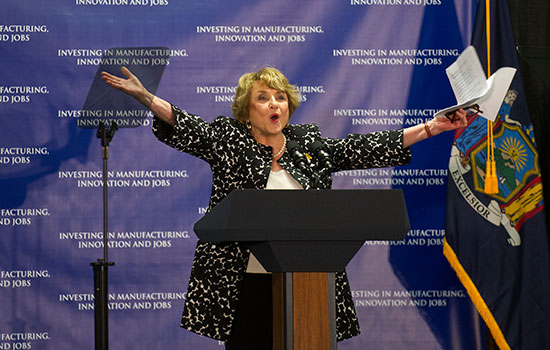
point(303, 238)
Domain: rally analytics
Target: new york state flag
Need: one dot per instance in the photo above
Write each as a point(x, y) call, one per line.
point(498, 243)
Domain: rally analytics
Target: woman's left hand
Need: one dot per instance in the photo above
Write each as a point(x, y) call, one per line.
point(435, 126)
point(455, 121)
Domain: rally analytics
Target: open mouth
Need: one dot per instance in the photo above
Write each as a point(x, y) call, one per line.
point(275, 117)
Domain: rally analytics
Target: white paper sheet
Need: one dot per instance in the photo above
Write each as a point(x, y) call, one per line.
point(471, 87)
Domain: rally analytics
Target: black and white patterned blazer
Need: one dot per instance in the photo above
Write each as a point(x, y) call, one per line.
point(238, 161)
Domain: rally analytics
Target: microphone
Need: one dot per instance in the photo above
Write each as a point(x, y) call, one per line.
point(319, 150)
point(298, 157)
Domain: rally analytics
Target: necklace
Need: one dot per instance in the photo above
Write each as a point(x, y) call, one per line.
point(282, 148)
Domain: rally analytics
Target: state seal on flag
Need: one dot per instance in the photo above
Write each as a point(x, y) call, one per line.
point(519, 193)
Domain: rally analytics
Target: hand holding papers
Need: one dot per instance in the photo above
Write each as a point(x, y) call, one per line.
point(472, 89)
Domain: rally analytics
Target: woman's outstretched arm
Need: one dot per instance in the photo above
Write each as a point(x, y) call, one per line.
point(133, 87)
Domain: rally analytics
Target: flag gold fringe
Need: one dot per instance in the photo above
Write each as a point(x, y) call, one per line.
point(475, 296)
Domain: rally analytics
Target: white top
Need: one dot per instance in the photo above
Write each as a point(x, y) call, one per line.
point(278, 180)
point(281, 180)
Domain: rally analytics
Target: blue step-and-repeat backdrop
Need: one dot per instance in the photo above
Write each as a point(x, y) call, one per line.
point(361, 65)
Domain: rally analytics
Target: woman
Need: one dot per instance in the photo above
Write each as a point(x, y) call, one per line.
point(227, 299)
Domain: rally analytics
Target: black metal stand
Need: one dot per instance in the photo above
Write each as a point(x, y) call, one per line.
point(100, 267)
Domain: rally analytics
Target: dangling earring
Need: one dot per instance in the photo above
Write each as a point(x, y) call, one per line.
point(248, 125)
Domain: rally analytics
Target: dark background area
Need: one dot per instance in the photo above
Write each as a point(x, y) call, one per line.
point(532, 29)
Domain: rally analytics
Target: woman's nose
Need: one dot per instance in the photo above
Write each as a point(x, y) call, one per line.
point(273, 103)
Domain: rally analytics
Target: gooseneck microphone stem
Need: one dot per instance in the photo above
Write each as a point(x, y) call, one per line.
point(100, 267)
point(322, 161)
point(319, 150)
point(299, 159)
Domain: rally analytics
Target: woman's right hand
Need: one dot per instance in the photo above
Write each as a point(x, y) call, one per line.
point(131, 86)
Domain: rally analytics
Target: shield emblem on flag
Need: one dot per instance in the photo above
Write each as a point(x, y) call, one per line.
point(515, 157)
point(516, 165)
point(519, 187)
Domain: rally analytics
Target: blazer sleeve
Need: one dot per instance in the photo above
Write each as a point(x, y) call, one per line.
point(190, 134)
point(375, 150)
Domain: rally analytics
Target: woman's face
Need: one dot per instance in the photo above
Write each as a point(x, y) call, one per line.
point(267, 110)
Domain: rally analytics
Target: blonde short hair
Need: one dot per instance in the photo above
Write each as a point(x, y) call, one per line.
point(273, 78)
